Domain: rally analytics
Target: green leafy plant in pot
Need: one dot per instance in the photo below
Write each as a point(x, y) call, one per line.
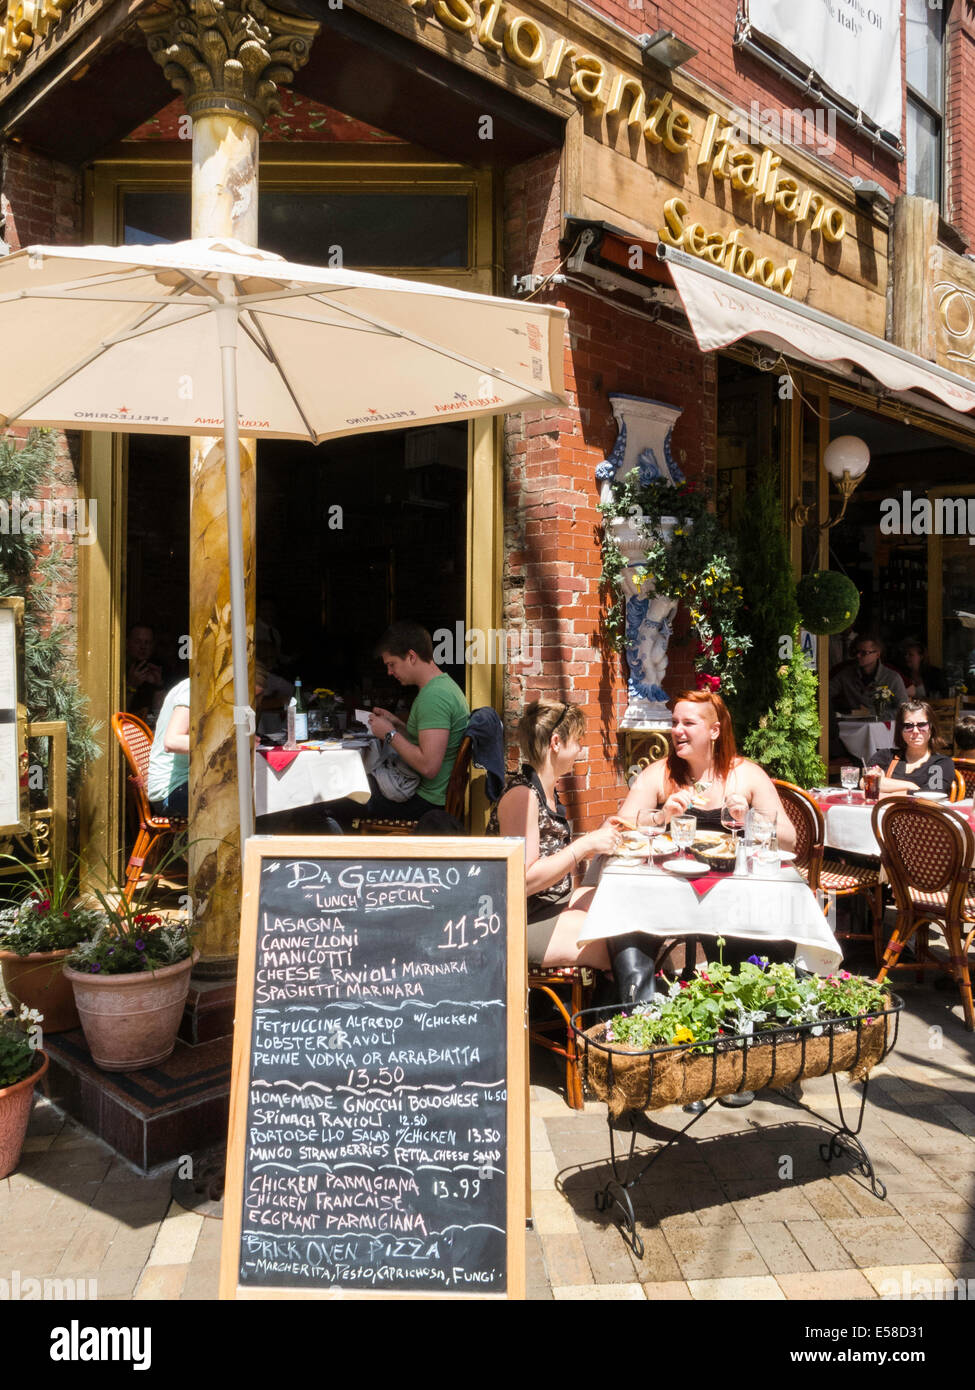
point(130, 982)
point(37, 933)
point(23, 1063)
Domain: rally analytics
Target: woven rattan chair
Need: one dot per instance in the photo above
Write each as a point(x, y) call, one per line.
point(154, 830)
point(965, 768)
point(454, 804)
point(839, 876)
point(959, 787)
point(579, 980)
point(927, 854)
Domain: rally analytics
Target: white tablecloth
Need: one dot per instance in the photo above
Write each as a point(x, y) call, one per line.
point(779, 907)
point(313, 776)
point(848, 827)
point(864, 738)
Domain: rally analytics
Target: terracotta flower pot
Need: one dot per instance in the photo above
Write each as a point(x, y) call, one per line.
point(131, 1021)
point(38, 981)
point(15, 1104)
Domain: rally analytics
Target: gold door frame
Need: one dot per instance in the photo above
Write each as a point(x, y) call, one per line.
point(164, 166)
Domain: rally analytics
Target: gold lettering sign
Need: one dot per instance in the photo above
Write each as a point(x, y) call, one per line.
point(26, 20)
point(749, 168)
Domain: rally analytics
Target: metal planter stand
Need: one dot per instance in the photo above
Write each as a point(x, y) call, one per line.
point(629, 1167)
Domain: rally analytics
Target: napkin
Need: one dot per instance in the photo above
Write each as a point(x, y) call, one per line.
point(279, 758)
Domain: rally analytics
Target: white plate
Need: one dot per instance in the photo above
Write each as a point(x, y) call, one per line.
point(931, 796)
point(686, 868)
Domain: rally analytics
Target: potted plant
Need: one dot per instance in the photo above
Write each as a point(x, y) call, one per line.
point(724, 1031)
point(130, 982)
point(37, 933)
point(22, 1064)
point(828, 601)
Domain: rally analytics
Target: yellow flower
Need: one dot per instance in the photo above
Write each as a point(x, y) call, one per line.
point(683, 1035)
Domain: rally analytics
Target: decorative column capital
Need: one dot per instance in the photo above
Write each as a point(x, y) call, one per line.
point(229, 56)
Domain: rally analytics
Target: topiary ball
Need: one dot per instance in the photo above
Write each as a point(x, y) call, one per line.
point(828, 601)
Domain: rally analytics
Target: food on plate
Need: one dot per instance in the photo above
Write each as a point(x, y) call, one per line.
point(709, 837)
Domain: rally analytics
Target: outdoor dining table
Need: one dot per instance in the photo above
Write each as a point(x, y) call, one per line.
point(310, 775)
point(865, 738)
point(772, 905)
point(849, 827)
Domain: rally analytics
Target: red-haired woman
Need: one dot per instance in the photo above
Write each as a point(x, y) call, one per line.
point(703, 770)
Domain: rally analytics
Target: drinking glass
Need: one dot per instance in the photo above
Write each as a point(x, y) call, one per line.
point(646, 823)
point(731, 819)
point(850, 777)
point(683, 830)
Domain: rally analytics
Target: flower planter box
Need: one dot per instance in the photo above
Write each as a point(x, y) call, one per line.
point(15, 1107)
point(130, 1021)
point(38, 981)
point(629, 1080)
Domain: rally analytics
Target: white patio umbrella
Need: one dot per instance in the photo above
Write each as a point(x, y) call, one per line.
point(165, 339)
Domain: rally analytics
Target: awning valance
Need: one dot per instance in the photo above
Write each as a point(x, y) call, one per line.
point(723, 308)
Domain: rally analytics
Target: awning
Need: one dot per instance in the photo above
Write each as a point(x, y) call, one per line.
point(723, 308)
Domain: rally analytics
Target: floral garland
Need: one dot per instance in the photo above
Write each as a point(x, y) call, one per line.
point(696, 564)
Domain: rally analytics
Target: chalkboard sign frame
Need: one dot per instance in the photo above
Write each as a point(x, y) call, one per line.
point(355, 848)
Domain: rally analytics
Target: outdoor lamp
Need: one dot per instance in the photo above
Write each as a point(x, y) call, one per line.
point(845, 459)
point(665, 48)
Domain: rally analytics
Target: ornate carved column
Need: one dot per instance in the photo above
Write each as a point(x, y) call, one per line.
point(643, 443)
point(227, 60)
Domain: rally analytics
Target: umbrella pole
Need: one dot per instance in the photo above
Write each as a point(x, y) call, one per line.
point(243, 714)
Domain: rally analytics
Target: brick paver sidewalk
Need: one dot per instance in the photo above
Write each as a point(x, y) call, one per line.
point(746, 1210)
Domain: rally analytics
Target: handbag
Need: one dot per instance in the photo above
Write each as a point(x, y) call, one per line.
point(396, 780)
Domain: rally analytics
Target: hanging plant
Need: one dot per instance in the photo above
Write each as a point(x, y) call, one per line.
point(693, 561)
point(828, 601)
point(786, 742)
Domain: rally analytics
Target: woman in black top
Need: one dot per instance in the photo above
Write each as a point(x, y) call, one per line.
point(918, 766)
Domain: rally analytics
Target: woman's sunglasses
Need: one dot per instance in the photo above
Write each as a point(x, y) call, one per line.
point(923, 725)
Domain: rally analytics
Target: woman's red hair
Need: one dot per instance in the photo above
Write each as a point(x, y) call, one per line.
point(725, 749)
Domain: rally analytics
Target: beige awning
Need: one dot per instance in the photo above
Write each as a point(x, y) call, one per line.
point(723, 308)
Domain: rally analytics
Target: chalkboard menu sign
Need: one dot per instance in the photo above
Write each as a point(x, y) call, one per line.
point(379, 1093)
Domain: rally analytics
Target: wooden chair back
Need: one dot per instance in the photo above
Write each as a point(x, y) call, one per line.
point(459, 778)
point(810, 828)
point(958, 787)
point(965, 768)
point(135, 738)
point(925, 849)
point(945, 718)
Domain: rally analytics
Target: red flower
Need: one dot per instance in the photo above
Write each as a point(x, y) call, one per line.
point(705, 682)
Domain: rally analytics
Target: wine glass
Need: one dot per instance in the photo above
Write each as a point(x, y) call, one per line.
point(683, 830)
point(646, 823)
point(732, 816)
point(850, 777)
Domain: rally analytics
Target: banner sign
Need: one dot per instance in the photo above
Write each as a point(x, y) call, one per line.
point(853, 46)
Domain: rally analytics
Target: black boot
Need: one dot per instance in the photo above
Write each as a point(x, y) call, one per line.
point(633, 967)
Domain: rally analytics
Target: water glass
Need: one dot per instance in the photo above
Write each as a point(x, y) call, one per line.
point(683, 830)
point(850, 777)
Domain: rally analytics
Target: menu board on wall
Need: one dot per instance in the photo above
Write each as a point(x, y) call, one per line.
point(379, 1092)
point(13, 715)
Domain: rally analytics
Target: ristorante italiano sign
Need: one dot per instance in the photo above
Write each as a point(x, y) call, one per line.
point(714, 144)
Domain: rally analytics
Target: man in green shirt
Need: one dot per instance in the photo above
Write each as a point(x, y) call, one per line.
point(429, 738)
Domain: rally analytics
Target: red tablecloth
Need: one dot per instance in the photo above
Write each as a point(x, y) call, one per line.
point(280, 758)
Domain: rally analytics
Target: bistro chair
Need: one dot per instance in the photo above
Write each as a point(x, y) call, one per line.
point(548, 1033)
point(154, 830)
point(959, 787)
point(945, 716)
point(927, 854)
point(965, 768)
point(838, 876)
point(454, 805)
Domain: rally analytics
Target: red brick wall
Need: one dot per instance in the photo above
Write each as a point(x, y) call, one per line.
point(960, 107)
point(41, 204)
point(552, 528)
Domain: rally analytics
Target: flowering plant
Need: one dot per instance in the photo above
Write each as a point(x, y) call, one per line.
point(129, 941)
point(49, 918)
point(20, 1042)
point(695, 562)
point(883, 700)
point(720, 1001)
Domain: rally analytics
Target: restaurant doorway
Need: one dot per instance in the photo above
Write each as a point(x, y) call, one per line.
point(351, 535)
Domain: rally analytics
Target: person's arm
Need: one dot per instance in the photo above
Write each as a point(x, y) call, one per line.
point(425, 758)
point(762, 797)
point(648, 794)
point(177, 736)
point(518, 817)
point(392, 720)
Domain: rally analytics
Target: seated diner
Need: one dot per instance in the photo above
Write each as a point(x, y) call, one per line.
point(917, 764)
point(550, 737)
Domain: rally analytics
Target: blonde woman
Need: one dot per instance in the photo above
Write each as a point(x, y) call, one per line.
point(550, 736)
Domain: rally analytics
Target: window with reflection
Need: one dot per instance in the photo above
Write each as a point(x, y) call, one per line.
point(926, 28)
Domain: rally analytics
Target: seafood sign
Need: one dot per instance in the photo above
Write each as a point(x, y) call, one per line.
point(375, 1146)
